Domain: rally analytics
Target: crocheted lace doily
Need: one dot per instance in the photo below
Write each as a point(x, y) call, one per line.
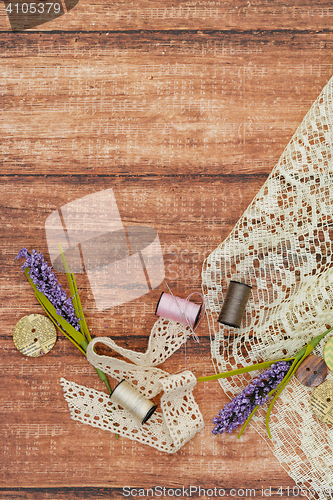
point(282, 247)
point(178, 418)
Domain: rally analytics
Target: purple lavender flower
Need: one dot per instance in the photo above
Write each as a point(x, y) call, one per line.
point(43, 276)
point(256, 393)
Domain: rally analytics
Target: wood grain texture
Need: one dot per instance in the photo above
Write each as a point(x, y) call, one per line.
point(157, 104)
point(191, 215)
point(43, 446)
point(184, 117)
point(191, 15)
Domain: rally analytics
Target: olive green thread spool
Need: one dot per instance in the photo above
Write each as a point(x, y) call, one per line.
point(234, 305)
point(126, 396)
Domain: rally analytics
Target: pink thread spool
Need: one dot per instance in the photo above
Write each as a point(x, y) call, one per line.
point(183, 311)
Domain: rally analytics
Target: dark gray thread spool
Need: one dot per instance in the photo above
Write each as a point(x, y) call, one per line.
point(234, 304)
point(129, 398)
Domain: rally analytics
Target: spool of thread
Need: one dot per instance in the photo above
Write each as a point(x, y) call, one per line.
point(234, 305)
point(140, 407)
point(180, 310)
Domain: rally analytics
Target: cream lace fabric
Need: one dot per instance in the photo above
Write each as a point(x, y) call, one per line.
point(282, 247)
point(178, 418)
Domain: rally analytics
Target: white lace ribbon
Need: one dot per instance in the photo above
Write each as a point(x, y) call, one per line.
point(178, 417)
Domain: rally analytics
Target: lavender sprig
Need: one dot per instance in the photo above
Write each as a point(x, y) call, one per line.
point(65, 314)
point(255, 394)
point(232, 410)
point(42, 275)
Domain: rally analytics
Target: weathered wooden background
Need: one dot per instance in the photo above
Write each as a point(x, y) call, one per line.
point(182, 108)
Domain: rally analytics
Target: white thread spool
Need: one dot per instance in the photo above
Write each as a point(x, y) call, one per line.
point(131, 400)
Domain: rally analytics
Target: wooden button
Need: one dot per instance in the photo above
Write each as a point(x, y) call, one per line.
point(322, 402)
point(312, 371)
point(34, 335)
point(328, 353)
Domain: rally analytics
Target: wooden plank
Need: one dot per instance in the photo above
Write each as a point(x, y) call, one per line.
point(188, 15)
point(44, 447)
point(156, 104)
point(184, 127)
point(78, 493)
point(191, 216)
point(45, 452)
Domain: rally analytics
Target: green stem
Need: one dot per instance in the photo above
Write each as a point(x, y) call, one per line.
point(297, 360)
point(61, 328)
point(101, 374)
point(247, 421)
point(80, 315)
point(75, 296)
point(256, 408)
point(239, 371)
point(70, 281)
point(82, 319)
point(314, 342)
point(76, 337)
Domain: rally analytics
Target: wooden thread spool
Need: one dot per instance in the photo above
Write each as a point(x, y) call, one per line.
point(234, 305)
point(140, 407)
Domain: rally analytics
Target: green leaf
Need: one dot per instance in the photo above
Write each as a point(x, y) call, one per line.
point(284, 383)
point(70, 281)
point(101, 374)
point(104, 378)
point(314, 342)
point(82, 319)
point(247, 421)
point(76, 335)
point(299, 358)
point(75, 297)
point(246, 369)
